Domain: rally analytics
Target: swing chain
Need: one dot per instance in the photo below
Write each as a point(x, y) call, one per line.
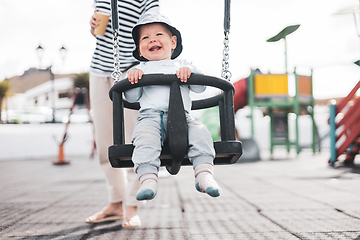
point(116, 74)
point(225, 63)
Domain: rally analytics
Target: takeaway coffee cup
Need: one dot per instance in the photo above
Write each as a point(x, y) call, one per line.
point(101, 28)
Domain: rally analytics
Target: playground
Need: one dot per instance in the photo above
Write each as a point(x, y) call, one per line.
point(287, 168)
point(289, 192)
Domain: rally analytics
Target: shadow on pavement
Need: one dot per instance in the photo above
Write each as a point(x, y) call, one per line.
point(68, 234)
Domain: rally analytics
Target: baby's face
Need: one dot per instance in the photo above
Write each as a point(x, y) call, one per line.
point(156, 42)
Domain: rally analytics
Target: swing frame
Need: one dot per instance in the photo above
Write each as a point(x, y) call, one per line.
point(174, 151)
point(228, 150)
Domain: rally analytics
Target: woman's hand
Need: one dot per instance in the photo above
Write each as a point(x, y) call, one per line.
point(94, 22)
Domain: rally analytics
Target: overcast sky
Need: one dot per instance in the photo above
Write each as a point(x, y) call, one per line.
point(325, 42)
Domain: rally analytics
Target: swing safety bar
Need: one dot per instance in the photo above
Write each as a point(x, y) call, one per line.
point(228, 150)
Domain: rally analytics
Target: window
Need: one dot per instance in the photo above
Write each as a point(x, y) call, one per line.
point(64, 95)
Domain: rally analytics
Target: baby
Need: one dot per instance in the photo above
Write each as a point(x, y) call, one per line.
point(158, 44)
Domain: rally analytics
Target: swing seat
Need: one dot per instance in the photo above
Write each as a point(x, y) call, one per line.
point(174, 151)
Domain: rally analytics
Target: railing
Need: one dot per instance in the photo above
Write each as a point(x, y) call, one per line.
point(344, 124)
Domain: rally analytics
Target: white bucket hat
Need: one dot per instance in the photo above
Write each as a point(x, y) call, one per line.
point(148, 18)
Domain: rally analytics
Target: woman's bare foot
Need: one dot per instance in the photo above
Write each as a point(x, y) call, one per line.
point(131, 211)
point(112, 212)
point(132, 219)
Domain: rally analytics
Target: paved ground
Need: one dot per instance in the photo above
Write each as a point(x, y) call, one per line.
point(287, 198)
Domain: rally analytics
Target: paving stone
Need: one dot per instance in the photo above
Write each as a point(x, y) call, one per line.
point(354, 235)
point(292, 198)
point(320, 225)
point(244, 236)
point(45, 231)
point(144, 233)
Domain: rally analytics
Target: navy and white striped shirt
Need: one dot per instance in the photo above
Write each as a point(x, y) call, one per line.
point(129, 11)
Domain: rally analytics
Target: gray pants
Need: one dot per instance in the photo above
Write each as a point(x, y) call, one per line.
point(147, 141)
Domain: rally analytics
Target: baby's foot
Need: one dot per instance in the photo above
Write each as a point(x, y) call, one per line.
point(148, 188)
point(204, 181)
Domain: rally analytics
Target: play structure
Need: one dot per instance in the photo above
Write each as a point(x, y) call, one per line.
point(270, 92)
point(174, 151)
point(345, 128)
point(345, 116)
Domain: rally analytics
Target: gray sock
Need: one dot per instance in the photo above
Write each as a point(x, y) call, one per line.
point(204, 181)
point(148, 188)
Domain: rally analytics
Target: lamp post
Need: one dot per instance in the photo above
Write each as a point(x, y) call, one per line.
point(355, 11)
point(63, 52)
point(40, 51)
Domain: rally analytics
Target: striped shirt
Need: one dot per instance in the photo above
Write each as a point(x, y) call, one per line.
point(129, 11)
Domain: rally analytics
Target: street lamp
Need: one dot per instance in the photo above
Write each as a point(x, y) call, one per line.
point(282, 35)
point(63, 51)
point(40, 51)
point(355, 10)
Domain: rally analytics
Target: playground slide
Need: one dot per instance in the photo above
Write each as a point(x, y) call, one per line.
point(345, 128)
point(210, 117)
point(240, 95)
point(251, 150)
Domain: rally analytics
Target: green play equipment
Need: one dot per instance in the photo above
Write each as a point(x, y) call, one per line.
point(271, 92)
point(282, 35)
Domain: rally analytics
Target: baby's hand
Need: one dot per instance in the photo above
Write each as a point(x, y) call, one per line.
point(183, 73)
point(135, 75)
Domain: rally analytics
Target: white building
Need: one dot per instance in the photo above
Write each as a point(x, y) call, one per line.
point(34, 93)
point(36, 89)
point(53, 94)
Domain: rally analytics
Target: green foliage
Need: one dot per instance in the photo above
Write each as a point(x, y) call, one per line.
point(81, 80)
point(4, 88)
point(210, 118)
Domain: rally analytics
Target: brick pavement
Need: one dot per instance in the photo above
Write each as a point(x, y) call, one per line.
point(286, 198)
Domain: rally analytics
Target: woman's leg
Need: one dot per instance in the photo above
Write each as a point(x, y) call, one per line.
point(101, 106)
point(132, 219)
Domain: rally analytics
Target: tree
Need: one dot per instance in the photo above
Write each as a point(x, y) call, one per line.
point(81, 80)
point(4, 89)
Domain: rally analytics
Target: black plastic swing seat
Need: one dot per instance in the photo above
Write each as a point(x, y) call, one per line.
point(174, 152)
point(226, 153)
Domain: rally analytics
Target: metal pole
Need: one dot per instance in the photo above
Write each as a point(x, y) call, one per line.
point(285, 56)
point(52, 77)
point(332, 123)
point(251, 100)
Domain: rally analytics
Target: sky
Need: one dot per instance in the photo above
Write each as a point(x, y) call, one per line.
point(326, 43)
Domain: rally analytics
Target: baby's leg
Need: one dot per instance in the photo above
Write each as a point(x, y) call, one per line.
point(147, 141)
point(202, 153)
point(148, 188)
point(204, 181)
